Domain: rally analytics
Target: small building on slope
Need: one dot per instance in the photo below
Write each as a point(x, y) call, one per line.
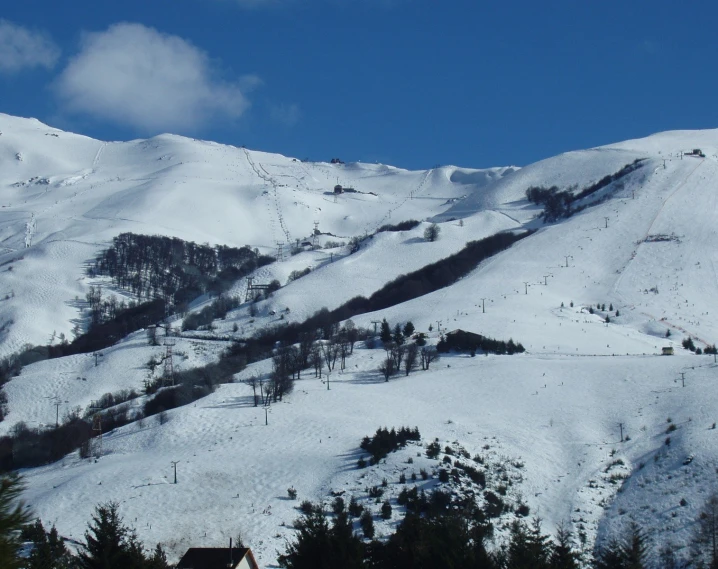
point(218, 558)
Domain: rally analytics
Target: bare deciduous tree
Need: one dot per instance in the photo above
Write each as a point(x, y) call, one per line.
point(412, 353)
point(254, 383)
point(428, 355)
point(387, 368)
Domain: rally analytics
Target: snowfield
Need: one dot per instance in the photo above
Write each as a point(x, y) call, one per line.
point(648, 250)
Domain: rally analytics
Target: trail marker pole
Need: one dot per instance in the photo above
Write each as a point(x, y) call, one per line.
point(620, 425)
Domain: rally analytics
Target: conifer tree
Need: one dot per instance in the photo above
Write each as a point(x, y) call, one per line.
point(609, 556)
point(408, 329)
point(705, 541)
point(312, 545)
point(398, 337)
point(385, 332)
point(563, 556)
point(367, 524)
point(158, 559)
point(635, 548)
point(12, 517)
point(49, 551)
point(109, 544)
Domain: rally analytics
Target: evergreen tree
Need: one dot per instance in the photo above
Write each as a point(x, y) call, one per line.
point(158, 559)
point(386, 510)
point(12, 517)
point(49, 551)
point(610, 556)
point(347, 549)
point(367, 524)
point(705, 540)
point(311, 548)
point(528, 548)
point(320, 547)
point(540, 545)
point(385, 332)
point(109, 544)
point(408, 329)
point(563, 556)
point(398, 337)
point(634, 548)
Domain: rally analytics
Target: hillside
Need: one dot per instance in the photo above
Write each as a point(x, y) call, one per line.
point(646, 248)
point(67, 196)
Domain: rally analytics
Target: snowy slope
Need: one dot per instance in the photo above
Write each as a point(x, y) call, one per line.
point(649, 250)
point(64, 197)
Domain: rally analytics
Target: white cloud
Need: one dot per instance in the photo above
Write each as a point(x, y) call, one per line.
point(138, 77)
point(22, 48)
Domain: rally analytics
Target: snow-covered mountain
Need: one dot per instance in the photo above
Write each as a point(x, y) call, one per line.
point(648, 249)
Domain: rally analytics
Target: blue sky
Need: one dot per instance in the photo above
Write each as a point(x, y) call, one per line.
point(412, 83)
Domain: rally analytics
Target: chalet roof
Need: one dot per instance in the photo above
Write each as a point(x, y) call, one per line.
point(460, 332)
point(214, 558)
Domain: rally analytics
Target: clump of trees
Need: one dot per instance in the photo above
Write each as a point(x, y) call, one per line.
point(439, 531)
point(560, 203)
point(177, 271)
point(401, 226)
point(294, 275)
point(431, 233)
point(402, 346)
point(467, 341)
point(109, 544)
point(385, 441)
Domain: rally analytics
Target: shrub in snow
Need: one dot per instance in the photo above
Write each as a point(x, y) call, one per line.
point(386, 510)
point(367, 525)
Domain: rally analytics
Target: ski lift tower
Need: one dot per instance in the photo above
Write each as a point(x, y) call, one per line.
point(168, 375)
point(96, 428)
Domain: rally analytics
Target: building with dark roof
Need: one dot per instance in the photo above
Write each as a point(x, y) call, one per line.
point(218, 558)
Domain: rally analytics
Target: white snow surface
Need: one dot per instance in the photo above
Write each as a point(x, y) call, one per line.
point(556, 408)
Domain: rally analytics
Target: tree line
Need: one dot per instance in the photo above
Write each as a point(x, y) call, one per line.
point(559, 203)
point(456, 535)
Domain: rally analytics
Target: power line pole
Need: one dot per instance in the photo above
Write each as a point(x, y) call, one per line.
point(526, 287)
point(567, 257)
point(174, 465)
point(97, 427)
point(57, 412)
point(97, 355)
point(606, 219)
point(375, 322)
point(545, 279)
point(683, 378)
point(483, 306)
point(620, 425)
